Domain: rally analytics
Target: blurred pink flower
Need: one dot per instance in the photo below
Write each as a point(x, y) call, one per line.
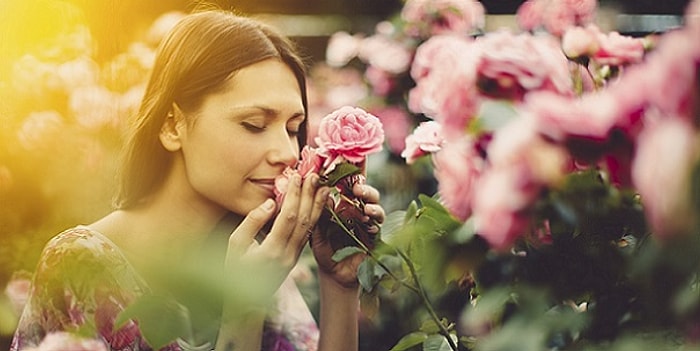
point(350, 133)
point(380, 81)
point(433, 51)
point(667, 152)
point(558, 17)
point(511, 65)
point(397, 125)
point(426, 138)
point(581, 41)
point(617, 50)
point(385, 53)
point(457, 168)
point(559, 117)
point(497, 205)
point(433, 17)
point(342, 47)
point(447, 91)
point(520, 144)
point(529, 14)
point(584, 10)
point(17, 290)
point(64, 341)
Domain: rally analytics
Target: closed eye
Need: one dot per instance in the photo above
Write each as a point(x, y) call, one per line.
point(253, 128)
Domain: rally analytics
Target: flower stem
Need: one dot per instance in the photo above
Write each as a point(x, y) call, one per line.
point(424, 297)
point(370, 254)
point(418, 288)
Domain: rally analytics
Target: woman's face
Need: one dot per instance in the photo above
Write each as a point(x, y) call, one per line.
point(243, 136)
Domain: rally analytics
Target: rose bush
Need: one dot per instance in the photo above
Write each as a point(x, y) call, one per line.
point(567, 169)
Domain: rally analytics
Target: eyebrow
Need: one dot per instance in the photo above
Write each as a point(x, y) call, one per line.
point(268, 111)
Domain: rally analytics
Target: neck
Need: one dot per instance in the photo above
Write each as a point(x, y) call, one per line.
point(174, 218)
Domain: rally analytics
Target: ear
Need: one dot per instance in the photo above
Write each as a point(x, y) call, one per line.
point(172, 131)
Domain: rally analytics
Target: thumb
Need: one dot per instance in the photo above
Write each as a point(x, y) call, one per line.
point(243, 236)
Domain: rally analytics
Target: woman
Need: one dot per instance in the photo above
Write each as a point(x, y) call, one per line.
point(224, 113)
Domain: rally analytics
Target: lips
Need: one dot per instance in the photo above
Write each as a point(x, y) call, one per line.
point(268, 184)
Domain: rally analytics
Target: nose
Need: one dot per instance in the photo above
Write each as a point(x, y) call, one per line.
point(283, 149)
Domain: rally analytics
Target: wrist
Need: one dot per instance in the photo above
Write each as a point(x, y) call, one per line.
point(328, 284)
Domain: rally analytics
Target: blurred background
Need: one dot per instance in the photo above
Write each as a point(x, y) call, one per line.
point(71, 71)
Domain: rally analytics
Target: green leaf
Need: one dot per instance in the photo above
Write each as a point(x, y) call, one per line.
point(341, 171)
point(366, 275)
point(436, 342)
point(345, 253)
point(161, 320)
point(409, 341)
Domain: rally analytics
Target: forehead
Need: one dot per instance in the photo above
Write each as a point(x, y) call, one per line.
point(266, 83)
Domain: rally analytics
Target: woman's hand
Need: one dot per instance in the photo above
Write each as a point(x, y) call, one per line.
point(270, 261)
point(345, 272)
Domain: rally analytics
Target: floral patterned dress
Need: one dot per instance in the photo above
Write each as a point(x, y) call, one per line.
point(83, 281)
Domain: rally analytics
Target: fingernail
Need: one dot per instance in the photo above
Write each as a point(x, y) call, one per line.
point(268, 205)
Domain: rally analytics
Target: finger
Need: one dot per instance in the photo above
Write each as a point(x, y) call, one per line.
point(366, 192)
point(307, 219)
point(244, 235)
point(375, 212)
point(286, 220)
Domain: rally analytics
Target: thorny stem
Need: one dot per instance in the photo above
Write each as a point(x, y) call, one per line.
point(424, 296)
point(418, 288)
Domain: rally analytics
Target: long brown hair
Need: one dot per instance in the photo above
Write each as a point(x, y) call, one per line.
point(201, 52)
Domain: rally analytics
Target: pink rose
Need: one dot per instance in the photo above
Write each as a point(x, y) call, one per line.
point(667, 151)
point(426, 138)
point(457, 168)
point(64, 341)
point(618, 50)
point(580, 41)
point(511, 65)
point(342, 47)
point(529, 14)
point(311, 162)
point(350, 133)
point(282, 183)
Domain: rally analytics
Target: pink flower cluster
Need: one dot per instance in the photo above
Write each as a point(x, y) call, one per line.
point(555, 16)
point(610, 48)
point(635, 126)
point(454, 75)
point(434, 17)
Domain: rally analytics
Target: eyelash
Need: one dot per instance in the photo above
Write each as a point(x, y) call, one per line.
point(255, 129)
